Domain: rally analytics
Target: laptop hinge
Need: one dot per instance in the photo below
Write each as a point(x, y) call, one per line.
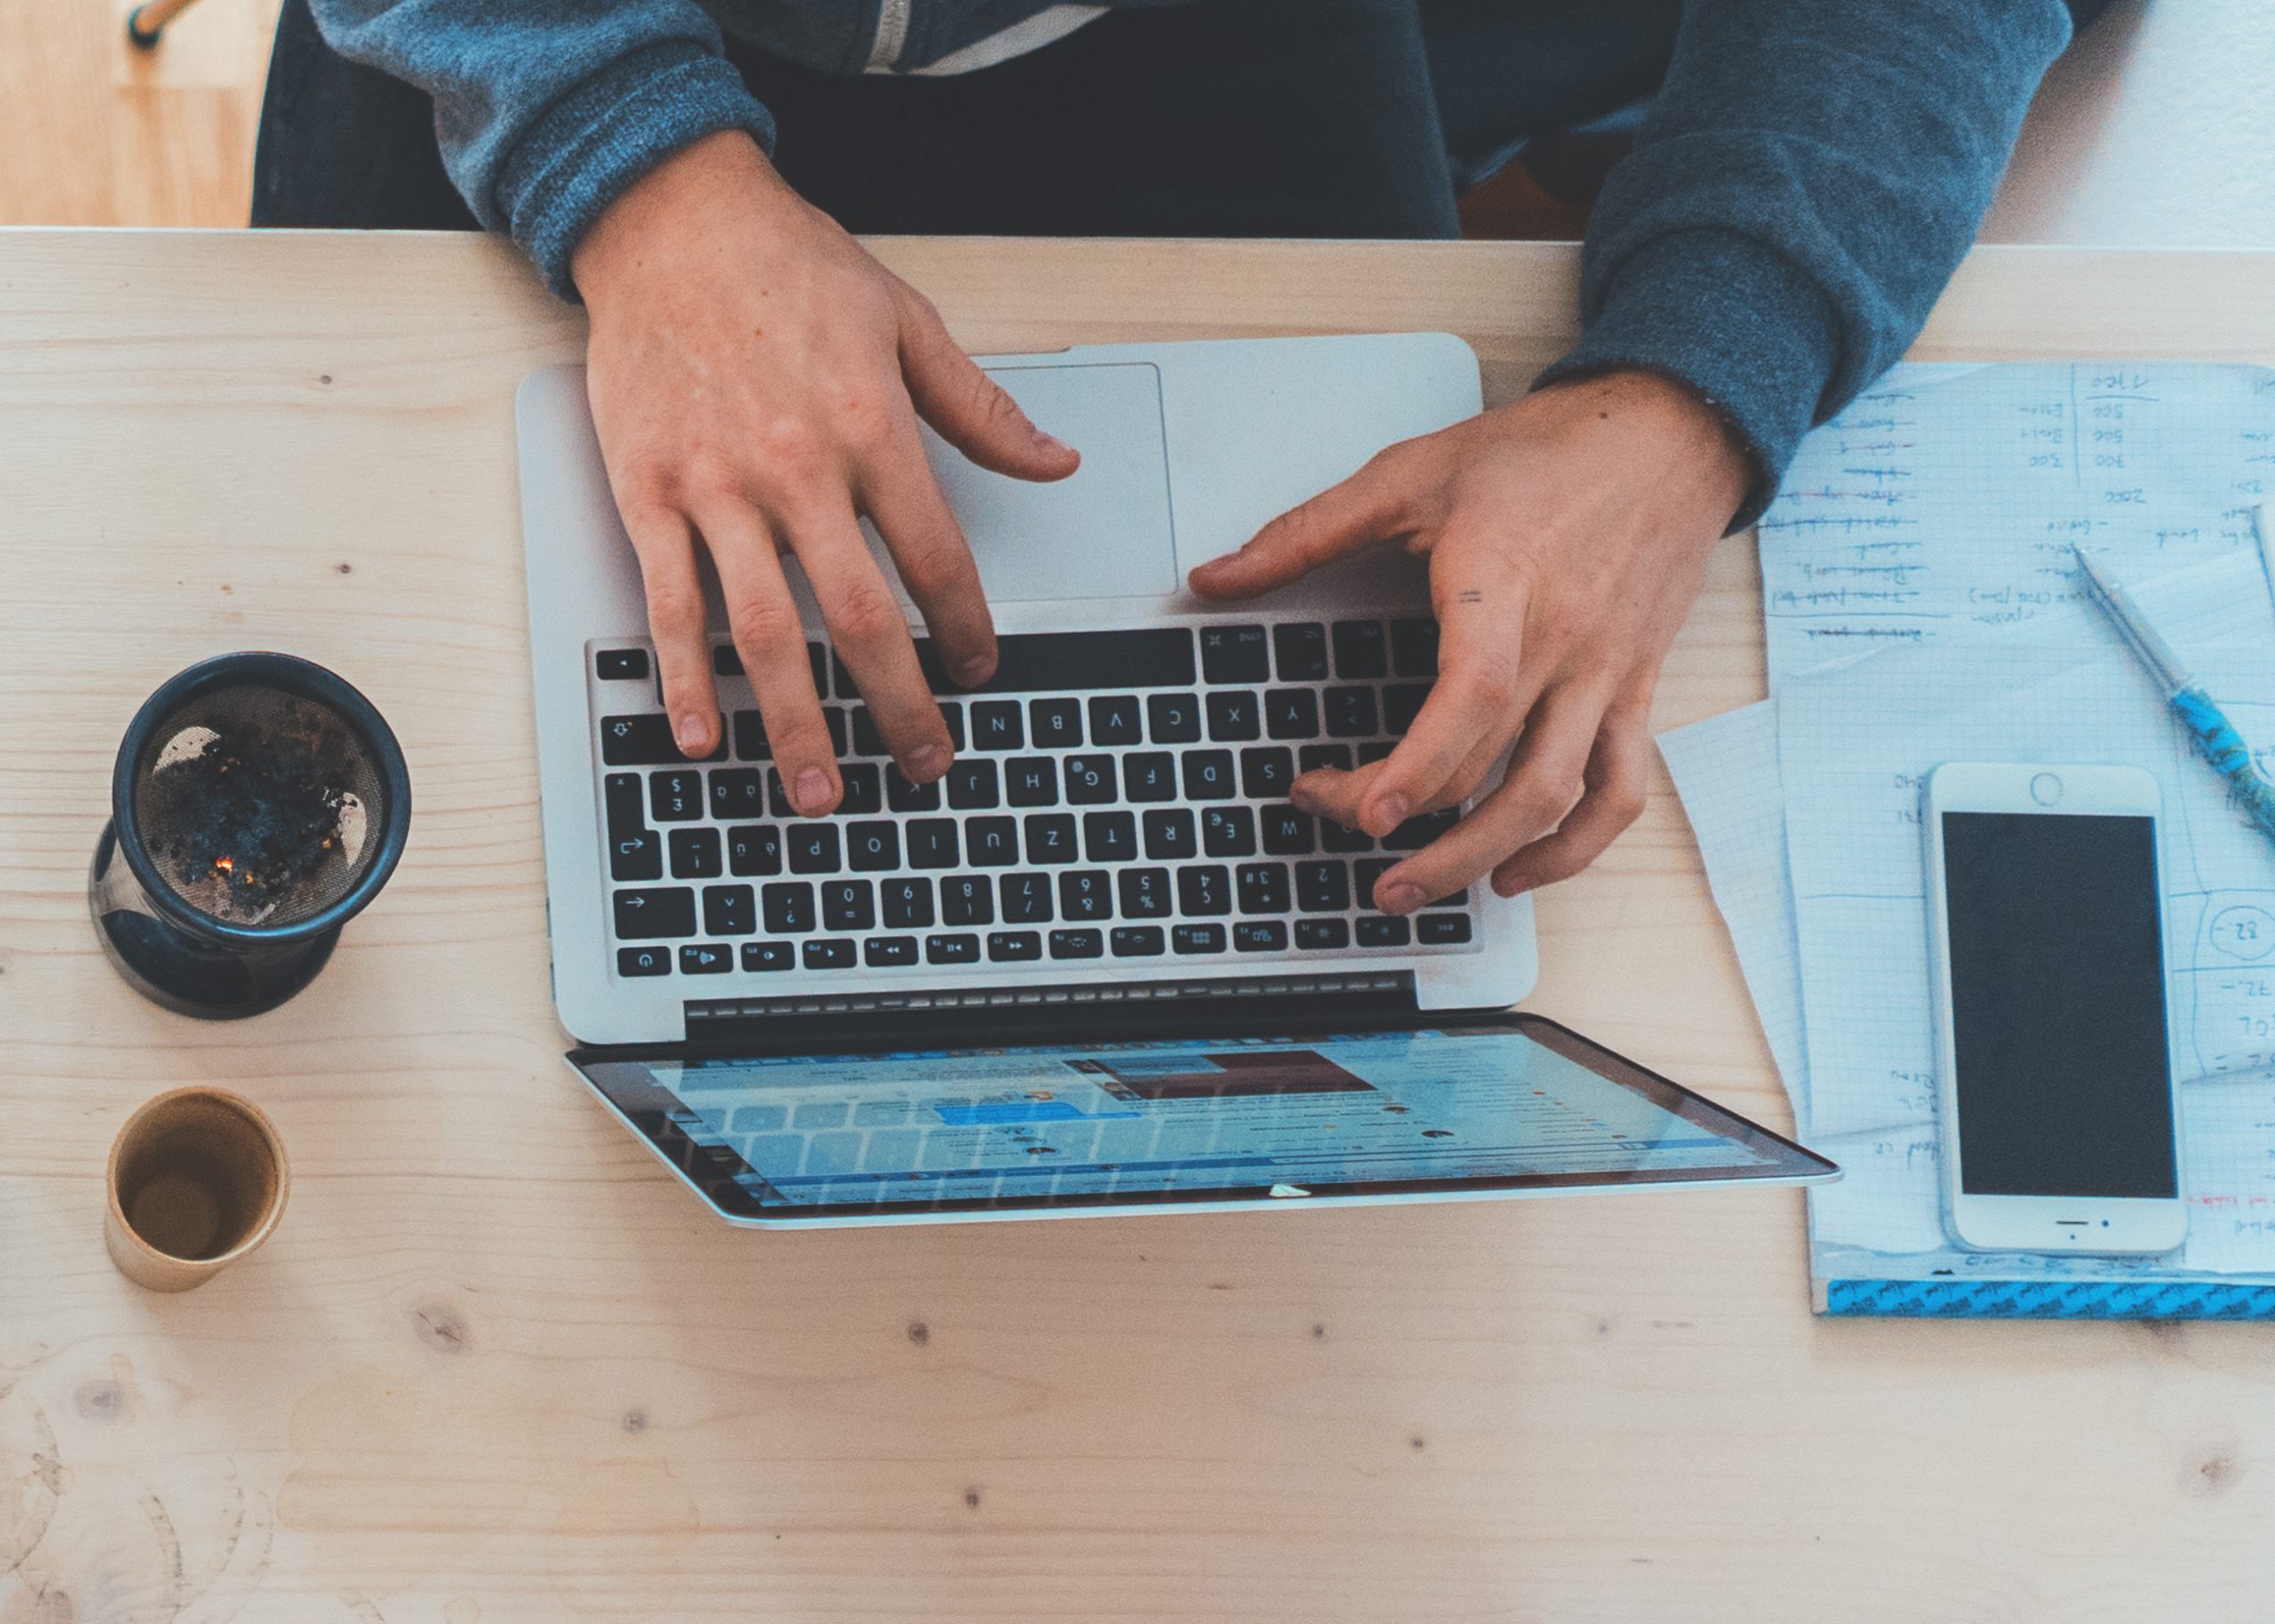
point(1348, 1000)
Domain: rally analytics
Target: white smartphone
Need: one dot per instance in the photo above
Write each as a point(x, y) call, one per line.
point(2054, 1053)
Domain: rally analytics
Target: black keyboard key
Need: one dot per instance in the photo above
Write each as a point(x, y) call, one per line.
point(959, 948)
point(1109, 837)
point(622, 665)
point(1380, 930)
point(902, 796)
point(1234, 654)
point(833, 954)
point(1173, 718)
point(971, 785)
point(995, 726)
point(1013, 946)
point(1197, 938)
point(788, 908)
point(907, 904)
point(1376, 750)
point(1138, 941)
point(992, 842)
point(1260, 937)
point(1322, 887)
point(778, 799)
point(635, 852)
point(849, 904)
point(654, 913)
point(1228, 831)
point(1263, 888)
point(706, 959)
point(932, 843)
point(1359, 650)
point(1073, 662)
point(1266, 774)
point(1235, 717)
point(643, 741)
point(1418, 831)
point(675, 798)
point(833, 717)
point(1169, 836)
point(1302, 651)
point(1414, 647)
point(817, 663)
point(865, 794)
point(1350, 712)
point(888, 952)
point(1115, 720)
point(1055, 724)
point(1365, 874)
point(1027, 899)
point(737, 792)
point(1145, 893)
point(1286, 831)
point(867, 740)
point(968, 899)
point(872, 847)
point(1311, 758)
point(1322, 933)
point(1208, 775)
point(1439, 929)
point(1085, 894)
point(1031, 781)
point(762, 956)
point(1150, 776)
point(951, 713)
point(1291, 712)
point(813, 847)
point(642, 961)
point(1401, 703)
point(1336, 838)
point(750, 737)
point(1089, 780)
point(729, 911)
point(1204, 888)
point(695, 854)
point(1077, 943)
point(1050, 838)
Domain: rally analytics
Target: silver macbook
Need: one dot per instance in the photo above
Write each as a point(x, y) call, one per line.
point(947, 1000)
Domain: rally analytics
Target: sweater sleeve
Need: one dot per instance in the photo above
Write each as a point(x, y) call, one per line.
point(546, 110)
point(1802, 188)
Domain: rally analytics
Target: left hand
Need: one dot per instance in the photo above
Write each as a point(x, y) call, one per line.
point(1567, 534)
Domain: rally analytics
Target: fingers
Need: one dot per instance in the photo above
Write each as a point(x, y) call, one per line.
point(970, 409)
point(772, 643)
point(1369, 507)
point(871, 636)
point(928, 546)
point(1618, 783)
point(1543, 781)
point(666, 548)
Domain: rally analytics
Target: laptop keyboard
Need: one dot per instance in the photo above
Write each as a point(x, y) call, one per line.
point(1116, 795)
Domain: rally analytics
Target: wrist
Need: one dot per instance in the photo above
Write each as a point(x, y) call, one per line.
point(649, 220)
point(1677, 420)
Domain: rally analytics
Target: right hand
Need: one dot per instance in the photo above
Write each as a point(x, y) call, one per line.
point(755, 379)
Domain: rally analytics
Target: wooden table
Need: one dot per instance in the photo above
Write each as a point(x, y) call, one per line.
point(555, 1389)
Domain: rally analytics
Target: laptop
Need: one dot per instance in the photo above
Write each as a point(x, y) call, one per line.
point(1103, 965)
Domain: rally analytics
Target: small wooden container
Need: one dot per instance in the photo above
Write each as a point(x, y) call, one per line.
point(197, 1180)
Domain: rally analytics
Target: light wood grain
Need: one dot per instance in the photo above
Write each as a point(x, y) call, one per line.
point(453, 1389)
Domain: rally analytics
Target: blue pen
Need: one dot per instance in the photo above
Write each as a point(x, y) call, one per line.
point(2216, 738)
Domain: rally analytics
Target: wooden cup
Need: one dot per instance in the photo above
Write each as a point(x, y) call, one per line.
point(197, 1180)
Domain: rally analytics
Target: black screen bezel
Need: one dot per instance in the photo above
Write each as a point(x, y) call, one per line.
point(624, 1079)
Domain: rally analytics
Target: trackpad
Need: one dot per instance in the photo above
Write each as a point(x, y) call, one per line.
point(1102, 532)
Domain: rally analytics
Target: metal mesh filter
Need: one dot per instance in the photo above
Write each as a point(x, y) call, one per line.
point(258, 808)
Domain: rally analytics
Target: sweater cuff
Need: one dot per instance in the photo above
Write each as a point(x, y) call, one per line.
point(594, 142)
point(1737, 323)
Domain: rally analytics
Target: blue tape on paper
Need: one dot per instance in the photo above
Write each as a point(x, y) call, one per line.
point(2051, 1299)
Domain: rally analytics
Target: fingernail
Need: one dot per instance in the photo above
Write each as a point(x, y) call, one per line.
point(975, 670)
point(690, 731)
point(927, 764)
point(1389, 812)
point(1399, 898)
point(1053, 440)
point(813, 791)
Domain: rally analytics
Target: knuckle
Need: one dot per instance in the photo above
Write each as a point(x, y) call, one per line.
point(707, 478)
point(763, 622)
point(867, 420)
point(1492, 678)
point(788, 447)
point(674, 612)
point(1623, 803)
point(864, 613)
point(938, 569)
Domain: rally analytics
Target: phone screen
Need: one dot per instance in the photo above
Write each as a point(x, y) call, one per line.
point(2059, 1006)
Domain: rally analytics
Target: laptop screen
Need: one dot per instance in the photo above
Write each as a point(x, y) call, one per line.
point(1516, 1103)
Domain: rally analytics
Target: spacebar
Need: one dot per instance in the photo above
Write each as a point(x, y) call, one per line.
point(1058, 662)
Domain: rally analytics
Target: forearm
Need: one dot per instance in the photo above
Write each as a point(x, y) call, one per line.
point(546, 113)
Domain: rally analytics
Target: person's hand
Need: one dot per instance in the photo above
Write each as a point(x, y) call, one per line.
point(755, 379)
point(1566, 535)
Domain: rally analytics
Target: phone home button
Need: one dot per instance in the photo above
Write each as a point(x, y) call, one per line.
point(2046, 789)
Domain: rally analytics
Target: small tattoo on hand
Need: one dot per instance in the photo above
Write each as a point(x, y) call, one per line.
point(1469, 597)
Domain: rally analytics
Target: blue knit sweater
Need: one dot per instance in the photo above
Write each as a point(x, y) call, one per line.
point(1807, 177)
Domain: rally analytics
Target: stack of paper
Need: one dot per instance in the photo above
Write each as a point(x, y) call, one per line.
point(1923, 606)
